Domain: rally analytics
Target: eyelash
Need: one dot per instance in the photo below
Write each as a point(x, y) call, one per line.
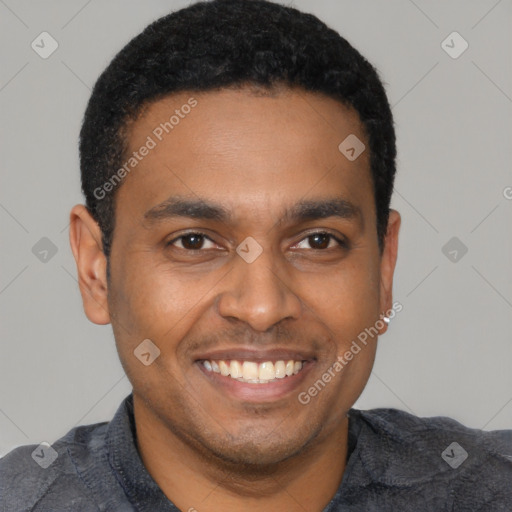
point(341, 243)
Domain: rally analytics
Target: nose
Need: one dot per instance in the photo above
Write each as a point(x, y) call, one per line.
point(258, 294)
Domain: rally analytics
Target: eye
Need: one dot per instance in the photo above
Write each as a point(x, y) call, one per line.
point(192, 242)
point(321, 241)
point(318, 241)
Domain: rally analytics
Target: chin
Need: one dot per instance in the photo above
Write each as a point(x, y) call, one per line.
point(255, 451)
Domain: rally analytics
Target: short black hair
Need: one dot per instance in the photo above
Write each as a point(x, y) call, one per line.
point(229, 43)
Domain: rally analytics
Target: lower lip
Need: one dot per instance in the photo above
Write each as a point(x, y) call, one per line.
point(268, 392)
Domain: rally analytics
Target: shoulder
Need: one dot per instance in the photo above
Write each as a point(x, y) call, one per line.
point(404, 427)
point(28, 473)
point(472, 466)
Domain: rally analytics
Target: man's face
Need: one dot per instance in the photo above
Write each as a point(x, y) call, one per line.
point(257, 173)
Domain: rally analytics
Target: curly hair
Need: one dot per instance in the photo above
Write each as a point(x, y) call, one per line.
point(229, 43)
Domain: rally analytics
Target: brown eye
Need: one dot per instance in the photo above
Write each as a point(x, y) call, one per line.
point(321, 241)
point(191, 242)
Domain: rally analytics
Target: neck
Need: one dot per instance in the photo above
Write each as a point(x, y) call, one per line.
point(197, 481)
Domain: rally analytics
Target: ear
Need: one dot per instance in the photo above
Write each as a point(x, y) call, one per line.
point(387, 263)
point(91, 263)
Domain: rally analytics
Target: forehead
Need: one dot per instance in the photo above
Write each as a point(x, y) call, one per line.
point(244, 150)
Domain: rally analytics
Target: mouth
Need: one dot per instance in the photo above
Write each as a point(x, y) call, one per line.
point(253, 372)
point(256, 376)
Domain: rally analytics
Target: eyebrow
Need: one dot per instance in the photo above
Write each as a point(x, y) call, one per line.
point(192, 208)
point(202, 209)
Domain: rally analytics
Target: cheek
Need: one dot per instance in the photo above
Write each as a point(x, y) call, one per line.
point(354, 319)
point(345, 297)
point(148, 303)
point(153, 300)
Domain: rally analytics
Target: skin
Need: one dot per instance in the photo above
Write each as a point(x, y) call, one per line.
point(256, 154)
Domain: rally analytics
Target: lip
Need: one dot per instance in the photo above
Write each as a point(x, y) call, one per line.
point(249, 354)
point(269, 392)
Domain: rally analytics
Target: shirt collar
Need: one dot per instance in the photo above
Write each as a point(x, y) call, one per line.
point(375, 455)
point(391, 451)
point(125, 460)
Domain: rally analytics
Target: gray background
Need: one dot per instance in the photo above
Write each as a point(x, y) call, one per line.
point(448, 352)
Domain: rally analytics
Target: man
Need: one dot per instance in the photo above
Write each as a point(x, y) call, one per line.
point(237, 160)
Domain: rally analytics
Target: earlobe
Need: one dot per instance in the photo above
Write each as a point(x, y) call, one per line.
point(388, 262)
point(91, 263)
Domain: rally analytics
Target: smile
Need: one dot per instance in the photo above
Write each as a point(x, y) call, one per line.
point(253, 372)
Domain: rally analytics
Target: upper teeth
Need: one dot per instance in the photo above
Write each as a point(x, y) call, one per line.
point(251, 371)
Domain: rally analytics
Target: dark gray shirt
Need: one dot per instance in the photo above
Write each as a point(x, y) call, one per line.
point(396, 462)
